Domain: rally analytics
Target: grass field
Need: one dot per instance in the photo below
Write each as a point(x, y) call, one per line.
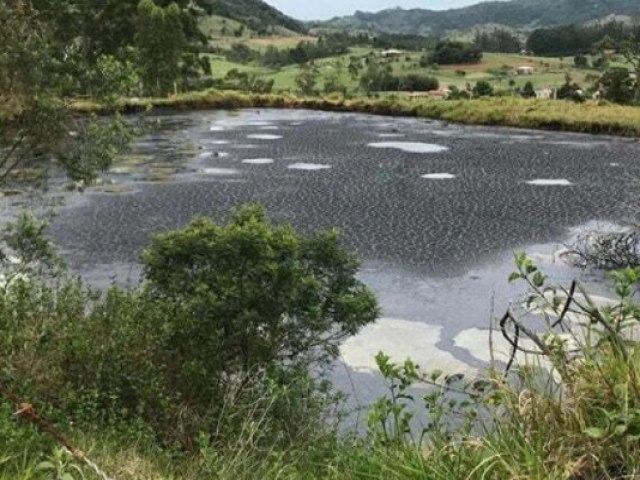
point(549, 72)
point(221, 32)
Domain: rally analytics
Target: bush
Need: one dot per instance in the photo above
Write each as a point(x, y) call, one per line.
point(483, 89)
point(449, 52)
point(381, 79)
point(243, 81)
point(581, 61)
point(528, 91)
point(416, 83)
point(618, 86)
point(230, 323)
point(571, 91)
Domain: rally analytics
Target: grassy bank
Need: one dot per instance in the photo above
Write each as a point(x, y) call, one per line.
point(510, 112)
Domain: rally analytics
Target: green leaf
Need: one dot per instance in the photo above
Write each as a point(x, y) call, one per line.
point(621, 429)
point(538, 280)
point(45, 466)
point(596, 433)
point(515, 276)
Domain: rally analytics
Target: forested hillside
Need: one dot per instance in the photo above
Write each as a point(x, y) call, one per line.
point(518, 14)
point(254, 13)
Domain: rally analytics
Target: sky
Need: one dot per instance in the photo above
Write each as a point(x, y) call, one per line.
point(324, 9)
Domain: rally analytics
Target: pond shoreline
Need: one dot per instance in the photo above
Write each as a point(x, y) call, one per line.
point(562, 116)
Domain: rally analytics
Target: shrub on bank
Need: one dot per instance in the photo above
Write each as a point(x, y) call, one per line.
point(232, 323)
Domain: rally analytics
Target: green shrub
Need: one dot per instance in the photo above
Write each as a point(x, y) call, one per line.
point(528, 91)
point(483, 89)
point(228, 325)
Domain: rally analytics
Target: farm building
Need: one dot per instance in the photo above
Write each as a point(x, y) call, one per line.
point(392, 53)
point(525, 70)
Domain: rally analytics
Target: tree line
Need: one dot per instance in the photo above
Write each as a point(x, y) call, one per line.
point(573, 40)
point(155, 41)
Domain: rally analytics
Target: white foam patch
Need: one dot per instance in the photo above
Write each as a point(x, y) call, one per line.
point(220, 171)
point(258, 161)
point(397, 338)
point(411, 147)
point(216, 128)
point(264, 136)
point(577, 144)
point(550, 182)
point(477, 342)
point(270, 127)
point(309, 166)
point(439, 176)
point(206, 155)
point(257, 123)
point(391, 135)
point(219, 142)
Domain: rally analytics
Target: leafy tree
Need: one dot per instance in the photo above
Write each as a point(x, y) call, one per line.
point(483, 89)
point(272, 57)
point(241, 53)
point(630, 49)
point(38, 129)
point(354, 68)
point(376, 77)
point(334, 85)
point(162, 42)
point(402, 41)
point(618, 86)
point(114, 78)
point(449, 52)
point(570, 90)
point(251, 293)
point(498, 40)
point(575, 39)
point(528, 91)
point(458, 94)
point(414, 83)
point(601, 63)
point(306, 80)
point(90, 29)
point(581, 61)
point(237, 80)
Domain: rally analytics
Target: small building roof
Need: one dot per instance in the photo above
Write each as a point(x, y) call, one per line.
point(392, 51)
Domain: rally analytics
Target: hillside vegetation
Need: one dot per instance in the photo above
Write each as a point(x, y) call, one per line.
point(517, 14)
point(256, 14)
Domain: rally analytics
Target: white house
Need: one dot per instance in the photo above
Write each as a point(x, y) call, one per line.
point(525, 70)
point(392, 53)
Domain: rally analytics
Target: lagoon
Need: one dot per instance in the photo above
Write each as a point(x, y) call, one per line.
point(434, 218)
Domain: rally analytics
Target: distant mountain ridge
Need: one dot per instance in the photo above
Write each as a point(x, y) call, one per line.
point(254, 13)
point(516, 14)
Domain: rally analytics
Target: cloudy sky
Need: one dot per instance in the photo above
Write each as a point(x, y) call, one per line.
point(322, 9)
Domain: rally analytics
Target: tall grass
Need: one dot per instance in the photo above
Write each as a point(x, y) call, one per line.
point(500, 111)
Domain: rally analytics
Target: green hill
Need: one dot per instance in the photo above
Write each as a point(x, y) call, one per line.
point(255, 14)
point(517, 14)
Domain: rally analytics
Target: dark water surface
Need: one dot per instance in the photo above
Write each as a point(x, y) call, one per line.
point(437, 249)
